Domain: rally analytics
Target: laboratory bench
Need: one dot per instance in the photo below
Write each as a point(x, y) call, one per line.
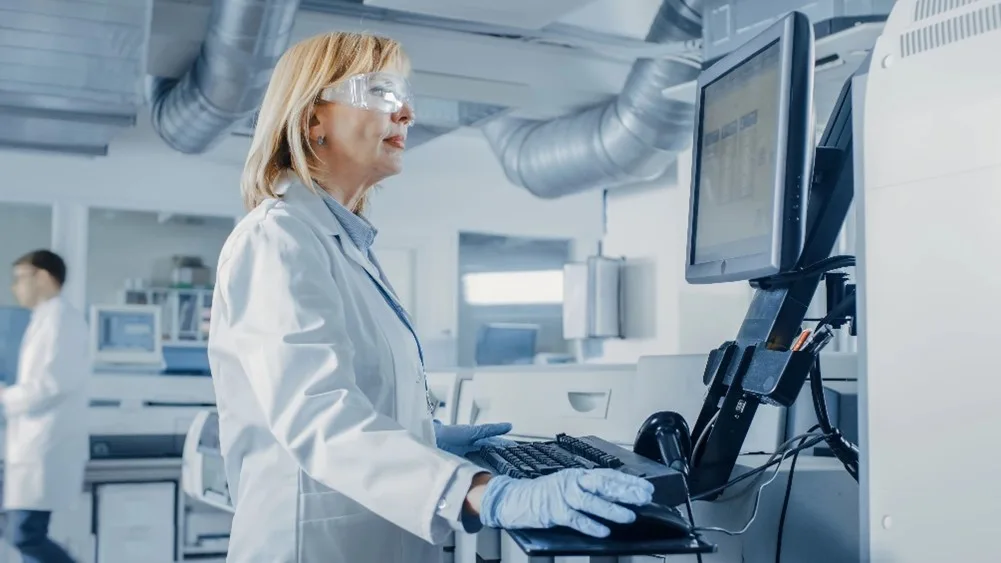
point(134, 510)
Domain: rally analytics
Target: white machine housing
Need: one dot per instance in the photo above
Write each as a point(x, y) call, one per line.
point(606, 400)
point(612, 401)
point(135, 415)
point(928, 189)
point(203, 476)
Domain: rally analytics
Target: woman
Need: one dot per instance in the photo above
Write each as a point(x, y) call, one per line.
point(325, 423)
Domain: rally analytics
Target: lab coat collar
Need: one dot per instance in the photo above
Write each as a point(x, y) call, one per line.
point(298, 196)
point(47, 305)
point(295, 194)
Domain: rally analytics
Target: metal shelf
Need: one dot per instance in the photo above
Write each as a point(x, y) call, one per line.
point(185, 312)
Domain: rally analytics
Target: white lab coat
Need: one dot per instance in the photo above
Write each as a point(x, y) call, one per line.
point(47, 435)
point(323, 419)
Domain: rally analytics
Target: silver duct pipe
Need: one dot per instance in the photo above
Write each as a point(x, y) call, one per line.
point(227, 81)
point(632, 138)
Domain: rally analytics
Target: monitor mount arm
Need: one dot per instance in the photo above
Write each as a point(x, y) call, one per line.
point(760, 366)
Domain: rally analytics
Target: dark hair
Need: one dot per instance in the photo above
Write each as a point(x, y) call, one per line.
point(45, 260)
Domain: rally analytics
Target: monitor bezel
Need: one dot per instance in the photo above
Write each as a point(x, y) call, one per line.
point(153, 357)
point(794, 36)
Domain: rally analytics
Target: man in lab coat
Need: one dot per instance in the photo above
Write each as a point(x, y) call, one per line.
point(47, 439)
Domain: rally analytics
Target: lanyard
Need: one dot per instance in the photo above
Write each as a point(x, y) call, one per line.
point(405, 319)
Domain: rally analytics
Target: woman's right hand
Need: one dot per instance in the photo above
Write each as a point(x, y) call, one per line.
point(566, 498)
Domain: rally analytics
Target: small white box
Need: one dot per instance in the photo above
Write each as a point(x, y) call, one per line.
point(591, 298)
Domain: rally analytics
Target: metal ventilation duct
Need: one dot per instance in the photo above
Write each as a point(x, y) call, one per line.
point(70, 72)
point(227, 81)
point(632, 138)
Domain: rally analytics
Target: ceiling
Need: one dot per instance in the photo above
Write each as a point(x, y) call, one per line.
point(472, 60)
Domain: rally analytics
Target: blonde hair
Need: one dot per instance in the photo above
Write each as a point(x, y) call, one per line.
point(281, 136)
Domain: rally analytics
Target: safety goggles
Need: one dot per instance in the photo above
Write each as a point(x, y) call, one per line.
point(384, 92)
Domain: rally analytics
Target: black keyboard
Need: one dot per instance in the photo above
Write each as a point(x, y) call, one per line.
point(535, 459)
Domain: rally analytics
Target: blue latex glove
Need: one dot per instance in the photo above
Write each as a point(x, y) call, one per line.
point(564, 498)
point(460, 439)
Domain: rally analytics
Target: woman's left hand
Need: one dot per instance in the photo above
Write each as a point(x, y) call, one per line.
point(460, 439)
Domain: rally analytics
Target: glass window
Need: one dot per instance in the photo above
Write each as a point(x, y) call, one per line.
point(514, 288)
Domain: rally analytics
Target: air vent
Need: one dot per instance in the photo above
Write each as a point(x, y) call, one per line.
point(925, 9)
point(949, 31)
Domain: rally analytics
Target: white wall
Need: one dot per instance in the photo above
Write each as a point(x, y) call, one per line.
point(648, 225)
point(133, 244)
point(23, 228)
point(449, 185)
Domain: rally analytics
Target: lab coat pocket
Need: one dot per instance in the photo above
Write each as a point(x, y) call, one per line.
point(323, 506)
point(318, 502)
point(360, 538)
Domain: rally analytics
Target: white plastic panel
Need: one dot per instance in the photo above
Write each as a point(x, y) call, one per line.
point(136, 522)
point(670, 383)
point(186, 397)
point(929, 204)
point(542, 401)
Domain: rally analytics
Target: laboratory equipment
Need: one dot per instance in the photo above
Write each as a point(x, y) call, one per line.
point(500, 344)
point(752, 156)
point(763, 365)
point(185, 312)
point(189, 271)
point(144, 416)
point(736, 21)
point(653, 520)
point(591, 298)
point(138, 422)
point(753, 131)
point(928, 171)
point(13, 322)
point(186, 360)
point(126, 335)
point(533, 460)
point(203, 474)
point(613, 400)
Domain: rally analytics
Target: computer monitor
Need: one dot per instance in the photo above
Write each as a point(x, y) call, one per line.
point(500, 344)
point(126, 334)
point(752, 157)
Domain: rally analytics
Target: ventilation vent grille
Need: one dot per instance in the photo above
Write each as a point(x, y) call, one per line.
point(949, 31)
point(927, 8)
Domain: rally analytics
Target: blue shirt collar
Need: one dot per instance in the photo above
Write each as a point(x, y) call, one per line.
point(359, 230)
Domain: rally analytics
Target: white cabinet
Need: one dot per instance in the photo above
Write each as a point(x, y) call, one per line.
point(136, 522)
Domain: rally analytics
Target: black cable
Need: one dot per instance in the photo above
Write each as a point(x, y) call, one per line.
point(838, 311)
point(691, 520)
point(788, 494)
point(845, 451)
point(757, 470)
point(815, 269)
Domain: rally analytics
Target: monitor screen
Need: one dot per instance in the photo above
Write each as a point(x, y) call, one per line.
point(752, 158)
point(120, 331)
point(501, 344)
point(740, 145)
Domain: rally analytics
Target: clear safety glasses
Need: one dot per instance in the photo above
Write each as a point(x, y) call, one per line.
point(384, 92)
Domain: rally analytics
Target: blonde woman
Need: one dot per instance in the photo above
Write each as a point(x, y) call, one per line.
point(325, 424)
